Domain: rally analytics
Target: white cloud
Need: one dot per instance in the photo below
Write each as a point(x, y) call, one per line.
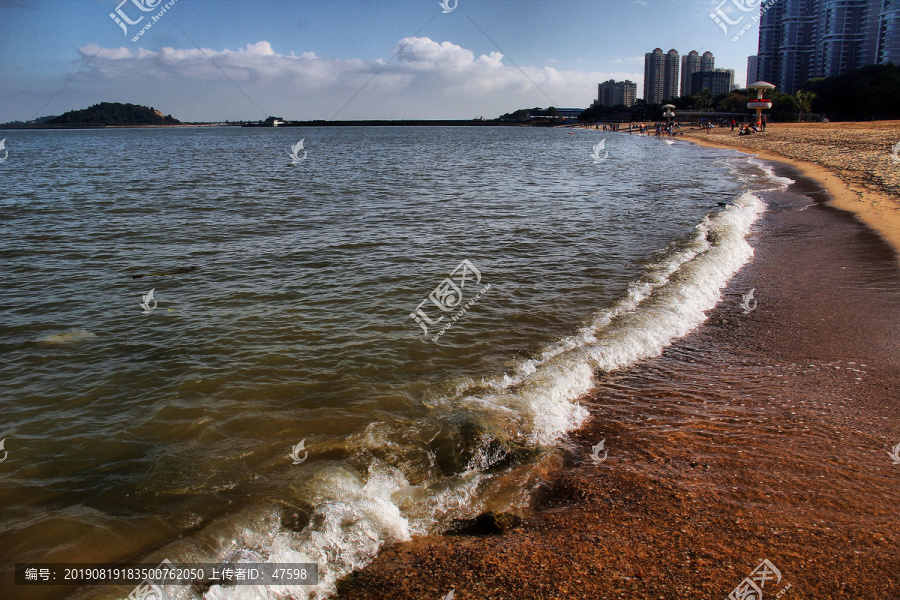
point(426, 79)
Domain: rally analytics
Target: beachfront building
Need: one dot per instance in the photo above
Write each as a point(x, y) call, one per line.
point(752, 69)
point(887, 42)
point(804, 39)
point(717, 81)
point(615, 93)
point(660, 76)
point(846, 34)
point(767, 57)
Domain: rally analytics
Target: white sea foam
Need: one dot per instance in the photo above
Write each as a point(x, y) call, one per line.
point(666, 304)
point(353, 519)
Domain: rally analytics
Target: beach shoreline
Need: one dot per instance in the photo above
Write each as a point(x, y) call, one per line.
point(814, 153)
point(758, 436)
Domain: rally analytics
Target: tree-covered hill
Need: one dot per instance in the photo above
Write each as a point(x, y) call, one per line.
point(113, 114)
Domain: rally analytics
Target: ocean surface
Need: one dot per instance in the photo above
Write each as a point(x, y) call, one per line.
point(421, 307)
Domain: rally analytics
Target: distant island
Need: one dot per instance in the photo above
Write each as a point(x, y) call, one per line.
point(117, 114)
point(105, 114)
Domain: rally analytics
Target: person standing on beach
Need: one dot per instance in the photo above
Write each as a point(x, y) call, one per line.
point(764, 122)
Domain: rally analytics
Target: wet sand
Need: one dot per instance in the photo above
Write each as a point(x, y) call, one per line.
point(759, 436)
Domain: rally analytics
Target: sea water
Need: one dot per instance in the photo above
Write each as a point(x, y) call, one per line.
point(287, 307)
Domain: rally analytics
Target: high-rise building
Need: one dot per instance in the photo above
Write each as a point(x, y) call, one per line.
point(887, 41)
point(653, 76)
point(798, 44)
point(752, 69)
point(670, 78)
point(717, 81)
point(846, 32)
point(690, 64)
point(614, 93)
point(802, 39)
point(769, 44)
point(660, 76)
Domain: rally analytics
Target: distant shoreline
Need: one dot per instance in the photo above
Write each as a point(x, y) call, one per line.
point(363, 123)
point(9, 127)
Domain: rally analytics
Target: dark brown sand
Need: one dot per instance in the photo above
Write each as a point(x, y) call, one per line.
point(759, 436)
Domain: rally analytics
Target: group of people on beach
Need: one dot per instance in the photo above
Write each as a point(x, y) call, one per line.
point(752, 128)
point(671, 129)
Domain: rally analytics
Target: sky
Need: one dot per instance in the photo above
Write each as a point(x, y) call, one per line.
point(217, 60)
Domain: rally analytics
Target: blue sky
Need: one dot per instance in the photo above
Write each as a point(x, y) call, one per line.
point(209, 60)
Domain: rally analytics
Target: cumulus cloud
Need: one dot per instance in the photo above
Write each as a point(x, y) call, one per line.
point(423, 79)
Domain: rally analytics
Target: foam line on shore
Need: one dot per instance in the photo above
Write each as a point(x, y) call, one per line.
point(859, 202)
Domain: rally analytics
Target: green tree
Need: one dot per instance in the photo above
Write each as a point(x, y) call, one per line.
point(872, 92)
point(702, 100)
point(804, 100)
point(733, 102)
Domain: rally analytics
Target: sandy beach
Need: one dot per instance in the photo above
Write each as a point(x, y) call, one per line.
point(763, 435)
point(852, 160)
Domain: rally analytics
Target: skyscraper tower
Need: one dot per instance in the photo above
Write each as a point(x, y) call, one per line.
point(653, 76)
point(846, 36)
point(887, 34)
point(802, 39)
point(752, 69)
point(670, 75)
point(690, 64)
point(768, 58)
point(660, 76)
point(798, 44)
